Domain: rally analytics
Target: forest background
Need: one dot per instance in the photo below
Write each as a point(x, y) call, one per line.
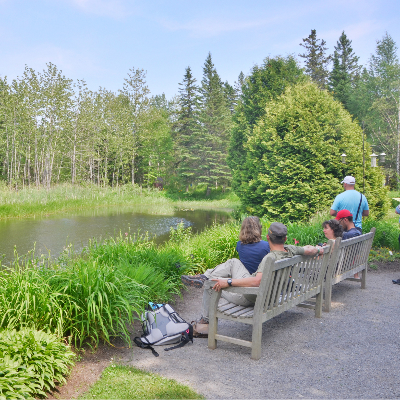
point(54, 130)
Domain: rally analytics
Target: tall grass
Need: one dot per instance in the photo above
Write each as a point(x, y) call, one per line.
point(30, 202)
point(96, 295)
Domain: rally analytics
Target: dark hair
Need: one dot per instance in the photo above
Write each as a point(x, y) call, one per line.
point(350, 218)
point(250, 232)
point(335, 226)
point(277, 239)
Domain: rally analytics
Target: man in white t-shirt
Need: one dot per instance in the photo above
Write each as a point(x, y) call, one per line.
point(351, 200)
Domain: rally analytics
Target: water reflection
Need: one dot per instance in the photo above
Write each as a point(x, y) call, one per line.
point(54, 233)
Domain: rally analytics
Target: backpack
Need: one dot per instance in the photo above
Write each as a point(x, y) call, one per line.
point(162, 325)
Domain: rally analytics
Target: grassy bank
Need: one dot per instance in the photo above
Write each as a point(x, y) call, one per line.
point(31, 202)
point(96, 295)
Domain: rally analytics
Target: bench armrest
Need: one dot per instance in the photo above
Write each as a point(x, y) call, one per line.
point(242, 290)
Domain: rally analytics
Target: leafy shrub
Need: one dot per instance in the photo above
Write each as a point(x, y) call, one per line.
point(292, 166)
point(31, 363)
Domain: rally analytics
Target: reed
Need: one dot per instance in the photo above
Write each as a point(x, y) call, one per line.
point(63, 198)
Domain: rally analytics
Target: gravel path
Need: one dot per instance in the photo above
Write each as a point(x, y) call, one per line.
point(351, 352)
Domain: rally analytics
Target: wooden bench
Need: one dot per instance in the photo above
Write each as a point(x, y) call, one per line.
point(348, 258)
point(285, 283)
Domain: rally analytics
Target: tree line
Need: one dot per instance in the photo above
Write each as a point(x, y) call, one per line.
point(54, 130)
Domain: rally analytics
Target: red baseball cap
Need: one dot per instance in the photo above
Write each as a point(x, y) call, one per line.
point(343, 214)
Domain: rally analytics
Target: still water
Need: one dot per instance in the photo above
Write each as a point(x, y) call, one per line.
point(50, 235)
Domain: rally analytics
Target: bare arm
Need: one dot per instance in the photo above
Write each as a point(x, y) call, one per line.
point(365, 213)
point(333, 212)
point(311, 250)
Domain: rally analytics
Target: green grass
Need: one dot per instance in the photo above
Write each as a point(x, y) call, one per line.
point(64, 198)
point(121, 382)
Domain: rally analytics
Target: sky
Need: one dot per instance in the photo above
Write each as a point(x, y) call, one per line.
point(99, 41)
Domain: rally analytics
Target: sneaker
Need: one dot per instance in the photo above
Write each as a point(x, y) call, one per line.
point(194, 280)
point(200, 328)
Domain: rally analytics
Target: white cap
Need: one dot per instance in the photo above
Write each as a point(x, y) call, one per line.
point(350, 180)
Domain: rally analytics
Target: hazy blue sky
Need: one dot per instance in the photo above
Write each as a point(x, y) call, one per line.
point(100, 40)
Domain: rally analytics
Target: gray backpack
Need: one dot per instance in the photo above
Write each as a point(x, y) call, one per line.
point(162, 325)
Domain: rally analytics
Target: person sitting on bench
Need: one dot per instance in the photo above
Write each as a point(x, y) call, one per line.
point(233, 273)
point(345, 218)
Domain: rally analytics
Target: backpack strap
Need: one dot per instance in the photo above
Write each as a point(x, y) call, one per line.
point(358, 207)
point(139, 343)
point(187, 337)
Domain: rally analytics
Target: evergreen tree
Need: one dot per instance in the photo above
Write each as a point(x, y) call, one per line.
point(315, 59)
point(345, 71)
point(293, 159)
point(231, 96)
point(215, 118)
point(239, 84)
point(187, 130)
point(264, 84)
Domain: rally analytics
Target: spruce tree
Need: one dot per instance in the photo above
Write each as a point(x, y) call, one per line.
point(187, 130)
point(216, 122)
point(345, 71)
point(315, 59)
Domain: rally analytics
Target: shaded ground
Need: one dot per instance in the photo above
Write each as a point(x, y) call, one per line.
point(351, 352)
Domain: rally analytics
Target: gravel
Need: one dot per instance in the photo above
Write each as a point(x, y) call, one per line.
point(351, 352)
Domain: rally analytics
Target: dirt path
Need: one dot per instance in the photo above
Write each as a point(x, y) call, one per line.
point(351, 352)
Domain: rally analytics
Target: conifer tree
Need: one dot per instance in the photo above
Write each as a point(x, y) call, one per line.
point(315, 59)
point(187, 130)
point(345, 70)
point(216, 120)
point(239, 84)
point(264, 84)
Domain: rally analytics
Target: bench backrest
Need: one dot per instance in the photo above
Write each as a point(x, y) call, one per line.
point(289, 281)
point(350, 254)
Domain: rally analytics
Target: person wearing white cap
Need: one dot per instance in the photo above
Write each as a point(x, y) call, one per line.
point(351, 200)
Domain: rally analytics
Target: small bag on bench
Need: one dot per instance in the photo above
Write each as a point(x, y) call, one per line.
point(162, 325)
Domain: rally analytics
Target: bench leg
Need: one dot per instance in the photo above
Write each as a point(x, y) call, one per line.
point(256, 341)
point(318, 304)
point(364, 278)
point(212, 331)
point(328, 298)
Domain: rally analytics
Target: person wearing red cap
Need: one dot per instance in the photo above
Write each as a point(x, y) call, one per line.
point(345, 218)
point(351, 200)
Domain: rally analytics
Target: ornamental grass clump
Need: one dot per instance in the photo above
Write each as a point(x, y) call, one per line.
point(31, 363)
point(105, 300)
point(27, 300)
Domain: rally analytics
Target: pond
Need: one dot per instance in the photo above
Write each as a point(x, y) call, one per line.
point(50, 235)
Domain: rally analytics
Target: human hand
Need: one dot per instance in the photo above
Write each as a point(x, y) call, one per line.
point(221, 284)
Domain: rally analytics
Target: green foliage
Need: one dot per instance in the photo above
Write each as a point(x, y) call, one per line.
point(104, 300)
point(265, 83)
point(293, 157)
point(31, 363)
point(215, 120)
point(375, 103)
point(121, 382)
point(212, 247)
point(345, 71)
point(27, 300)
point(315, 59)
